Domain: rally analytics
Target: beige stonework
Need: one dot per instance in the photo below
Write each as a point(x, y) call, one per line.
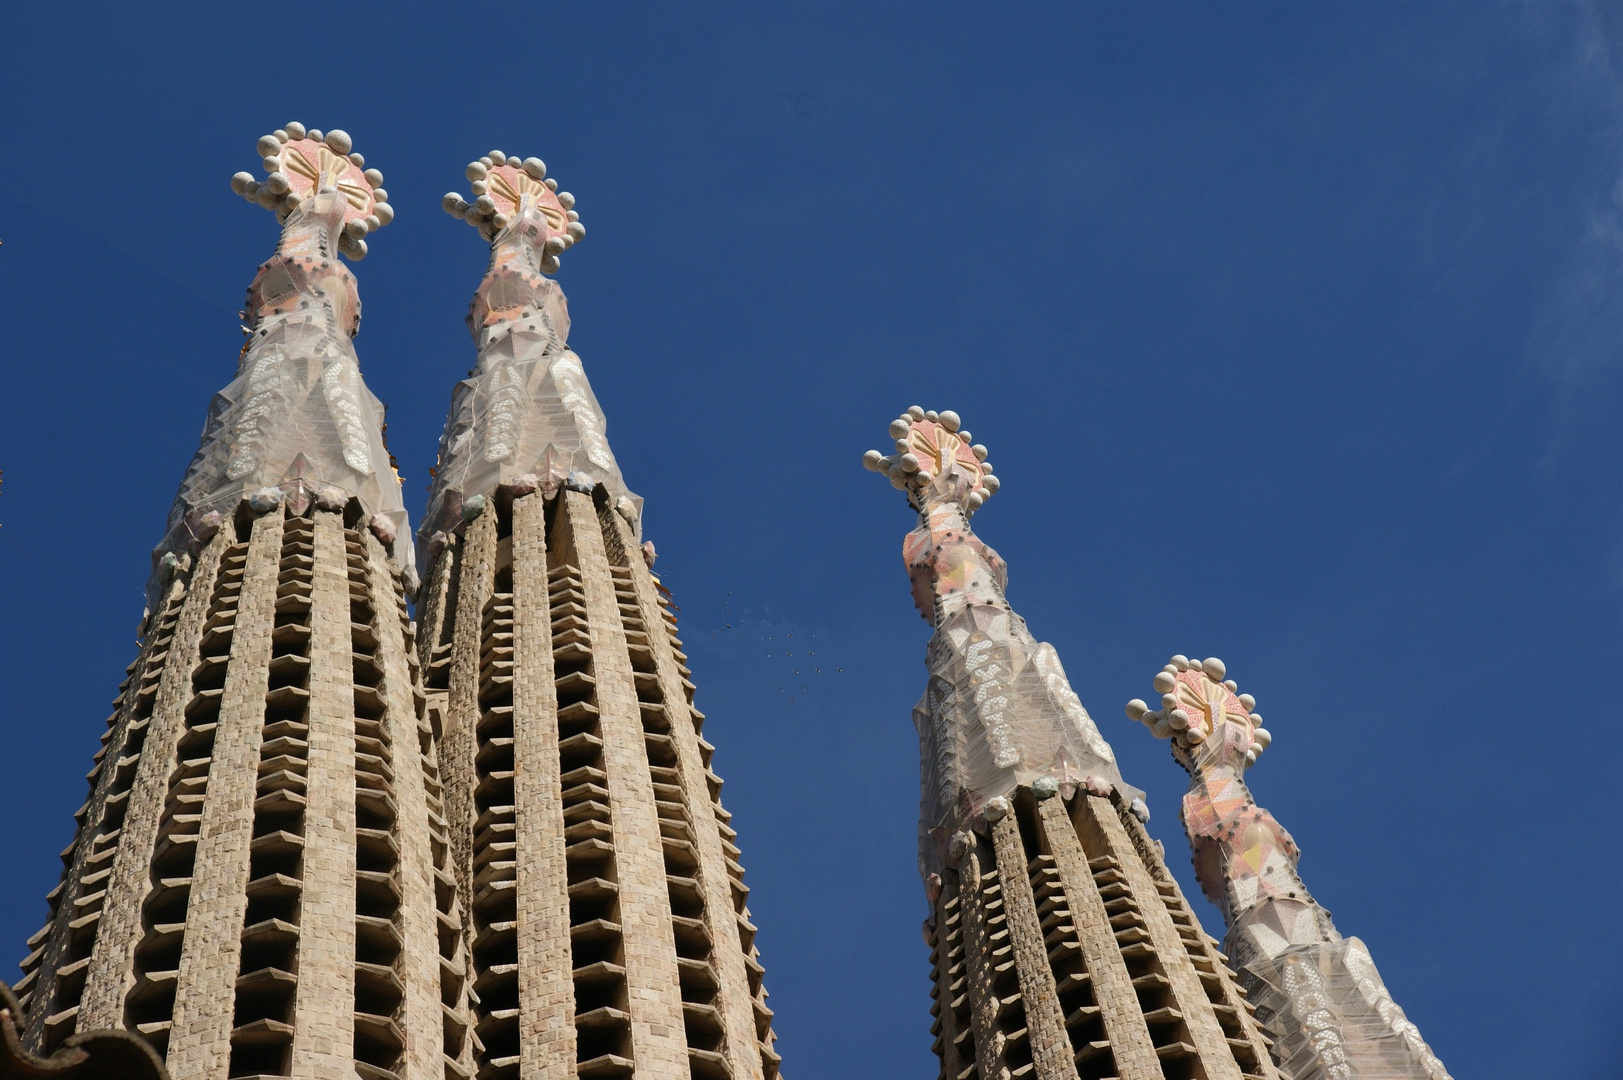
point(658, 1046)
point(280, 908)
point(205, 993)
point(324, 1024)
point(419, 965)
point(1045, 1024)
point(746, 1027)
point(608, 930)
point(547, 1042)
point(1123, 1021)
point(104, 837)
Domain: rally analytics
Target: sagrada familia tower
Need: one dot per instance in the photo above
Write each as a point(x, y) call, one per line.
point(1062, 947)
point(349, 820)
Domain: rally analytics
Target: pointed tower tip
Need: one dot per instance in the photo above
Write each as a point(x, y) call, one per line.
point(1202, 707)
point(506, 188)
point(934, 458)
point(300, 162)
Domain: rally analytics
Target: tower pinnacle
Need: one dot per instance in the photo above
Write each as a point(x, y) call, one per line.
point(1317, 994)
point(507, 190)
point(609, 936)
point(934, 460)
point(1062, 948)
point(297, 421)
point(302, 163)
point(526, 415)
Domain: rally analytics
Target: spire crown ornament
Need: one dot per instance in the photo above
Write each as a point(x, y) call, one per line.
point(510, 193)
point(1202, 711)
point(935, 461)
point(303, 164)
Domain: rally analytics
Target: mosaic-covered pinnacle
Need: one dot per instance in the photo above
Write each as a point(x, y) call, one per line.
point(935, 458)
point(504, 187)
point(299, 162)
point(1199, 703)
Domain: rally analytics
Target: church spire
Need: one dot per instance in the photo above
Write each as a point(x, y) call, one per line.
point(526, 415)
point(1317, 994)
point(1061, 946)
point(261, 883)
point(298, 419)
point(999, 711)
point(609, 933)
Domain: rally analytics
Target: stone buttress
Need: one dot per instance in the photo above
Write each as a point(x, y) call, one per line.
point(1317, 994)
point(260, 884)
point(1061, 947)
point(609, 933)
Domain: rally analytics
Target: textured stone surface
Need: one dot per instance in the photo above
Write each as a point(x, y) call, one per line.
point(110, 972)
point(1045, 1022)
point(1187, 991)
point(546, 993)
point(419, 962)
point(978, 983)
point(200, 1040)
point(728, 956)
point(657, 1031)
point(324, 1021)
point(1113, 989)
point(476, 559)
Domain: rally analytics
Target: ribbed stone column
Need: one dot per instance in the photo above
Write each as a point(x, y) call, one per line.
point(546, 1000)
point(1045, 1023)
point(420, 1015)
point(981, 966)
point(1125, 1029)
point(200, 1038)
point(475, 564)
point(109, 835)
point(645, 909)
point(324, 1021)
point(745, 1030)
point(110, 972)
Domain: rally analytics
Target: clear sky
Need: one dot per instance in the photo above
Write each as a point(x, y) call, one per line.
point(1295, 333)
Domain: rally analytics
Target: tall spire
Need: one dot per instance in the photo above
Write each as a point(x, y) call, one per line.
point(999, 711)
point(260, 884)
point(526, 414)
point(1062, 948)
point(298, 418)
point(610, 935)
point(1318, 994)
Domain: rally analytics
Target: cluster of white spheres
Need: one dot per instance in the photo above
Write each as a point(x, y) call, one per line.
point(1172, 721)
point(276, 192)
point(483, 214)
point(907, 472)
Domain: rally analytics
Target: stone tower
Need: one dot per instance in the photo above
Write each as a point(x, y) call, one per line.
point(1061, 946)
point(609, 934)
point(1317, 994)
point(260, 883)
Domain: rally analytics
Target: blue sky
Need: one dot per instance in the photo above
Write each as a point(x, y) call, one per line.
point(1295, 332)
